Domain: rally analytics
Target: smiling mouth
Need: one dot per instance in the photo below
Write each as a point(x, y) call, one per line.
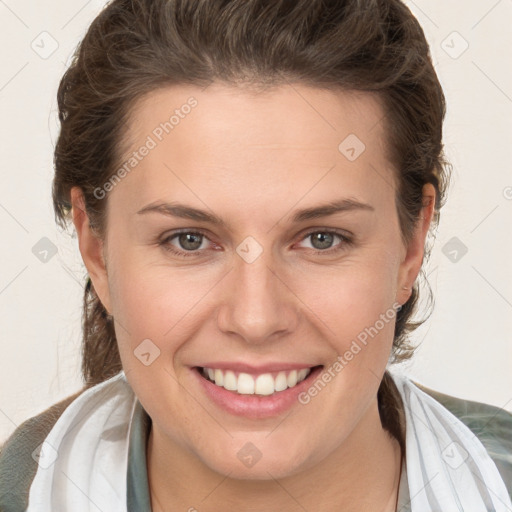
point(264, 384)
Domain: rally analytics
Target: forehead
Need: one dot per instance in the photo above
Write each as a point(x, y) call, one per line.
point(287, 142)
point(310, 115)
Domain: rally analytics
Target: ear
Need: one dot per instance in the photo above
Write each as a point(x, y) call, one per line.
point(413, 259)
point(91, 248)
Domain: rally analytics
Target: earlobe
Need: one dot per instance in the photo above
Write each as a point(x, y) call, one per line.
point(91, 248)
point(411, 265)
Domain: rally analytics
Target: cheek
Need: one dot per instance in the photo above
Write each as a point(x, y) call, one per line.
point(156, 302)
point(353, 294)
point(150, 322)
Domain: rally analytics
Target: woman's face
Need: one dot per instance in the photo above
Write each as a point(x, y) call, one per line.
point(267, 287)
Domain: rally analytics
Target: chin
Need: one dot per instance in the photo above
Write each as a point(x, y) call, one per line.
point(251, 464)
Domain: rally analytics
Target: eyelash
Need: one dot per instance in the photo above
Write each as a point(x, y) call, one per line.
point(165, 243)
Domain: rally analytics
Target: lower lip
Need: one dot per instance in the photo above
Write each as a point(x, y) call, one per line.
point(255, 406)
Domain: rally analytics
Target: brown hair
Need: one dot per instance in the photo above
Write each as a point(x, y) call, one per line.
point(136, 46)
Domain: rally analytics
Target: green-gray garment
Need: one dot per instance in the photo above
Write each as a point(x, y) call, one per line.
point(492, 425)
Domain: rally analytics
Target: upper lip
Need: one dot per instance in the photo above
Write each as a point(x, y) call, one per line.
point(256, 369)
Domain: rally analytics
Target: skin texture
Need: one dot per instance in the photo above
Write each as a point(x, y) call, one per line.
point(254, 159)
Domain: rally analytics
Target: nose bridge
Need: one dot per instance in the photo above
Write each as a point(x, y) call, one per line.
point(257, 303)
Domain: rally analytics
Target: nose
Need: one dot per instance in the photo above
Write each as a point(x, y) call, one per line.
point(258, 304)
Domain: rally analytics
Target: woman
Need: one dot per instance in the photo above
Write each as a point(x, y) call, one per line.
point(252, 185)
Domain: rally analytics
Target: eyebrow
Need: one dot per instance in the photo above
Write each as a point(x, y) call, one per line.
point(323, 210)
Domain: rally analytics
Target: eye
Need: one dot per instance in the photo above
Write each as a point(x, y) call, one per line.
point(322, 240)
point(191, 243)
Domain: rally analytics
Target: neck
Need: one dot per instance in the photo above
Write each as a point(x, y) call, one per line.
point(363, 473)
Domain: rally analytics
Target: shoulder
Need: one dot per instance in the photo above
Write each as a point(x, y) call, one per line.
point(492, 425)
point(17, 465)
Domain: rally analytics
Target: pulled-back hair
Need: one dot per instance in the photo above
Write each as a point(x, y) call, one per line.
point(134, 47)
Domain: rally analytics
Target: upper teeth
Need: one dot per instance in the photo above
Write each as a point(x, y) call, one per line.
point(264, 384)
